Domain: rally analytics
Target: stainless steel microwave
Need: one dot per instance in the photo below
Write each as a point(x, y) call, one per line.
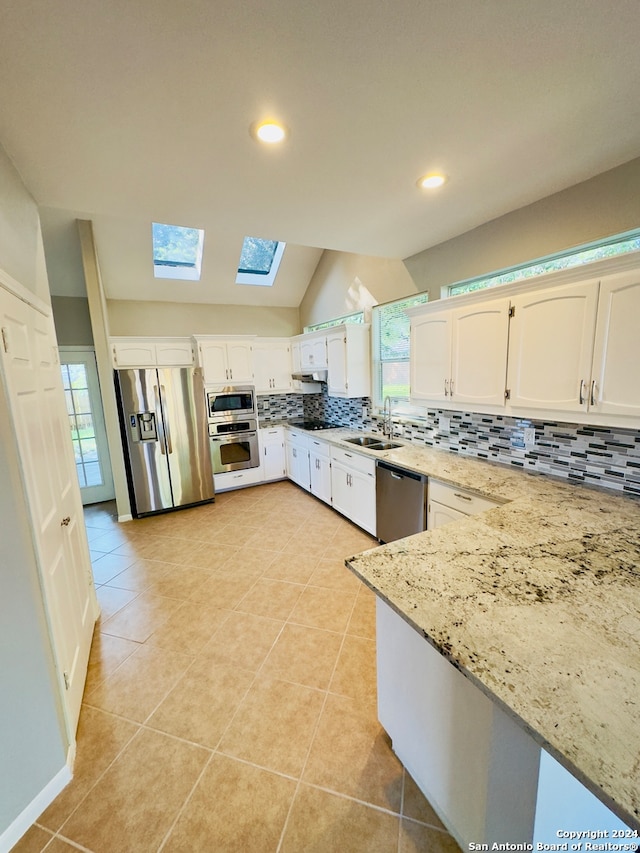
point(231, 401)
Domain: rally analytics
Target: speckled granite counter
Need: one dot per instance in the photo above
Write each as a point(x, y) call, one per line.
point(538, 603)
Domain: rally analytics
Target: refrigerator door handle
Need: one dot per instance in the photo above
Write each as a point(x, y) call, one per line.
point(167, 430)
point(159, 420)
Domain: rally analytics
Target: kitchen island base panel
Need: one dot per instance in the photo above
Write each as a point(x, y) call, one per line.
point(474, 764)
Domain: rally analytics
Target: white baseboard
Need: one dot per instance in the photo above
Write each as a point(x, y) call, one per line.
point(14, 832)
point(127, 517)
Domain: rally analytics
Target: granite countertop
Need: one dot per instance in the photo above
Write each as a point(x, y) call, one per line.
point(538, 603)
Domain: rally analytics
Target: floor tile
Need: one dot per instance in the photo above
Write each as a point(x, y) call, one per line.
point(109, 566)
point(295, 568)
point(189, 628)
point(303, 655)
point(266, 597)
point(59, 845)
point(222, 590)
point(132, 807)
point(101, 737)
point(416, 838)
point(111, 599)
point(203, 702)
point(321, 822)
point(243, 640)
point(355, 673)
point(33, 841)
point(274, 725)
point(333, 574)
point(142, 574)
point(250, 810)
point(363, 619)
point(352, 755)
point(139, 684)
point(416, 806)
point(323, 608)
point(141, 617)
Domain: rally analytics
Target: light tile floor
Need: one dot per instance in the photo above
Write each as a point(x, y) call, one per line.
point(230, 705)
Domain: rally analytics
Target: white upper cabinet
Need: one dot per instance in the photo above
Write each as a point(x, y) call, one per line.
point(615, 379)
point(272, 366)
point(349, 361)
point(225, 360)
point(551, 347)
point(313, 352)
point(459, 356)
point(152, 352)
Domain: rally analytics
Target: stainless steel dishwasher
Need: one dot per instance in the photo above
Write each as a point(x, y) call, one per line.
point(401, 502)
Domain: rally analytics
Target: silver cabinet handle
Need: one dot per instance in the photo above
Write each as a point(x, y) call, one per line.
point(593, 392)
point(451, 388)
point(462, 497)
point(581, 392)
point(446, 387)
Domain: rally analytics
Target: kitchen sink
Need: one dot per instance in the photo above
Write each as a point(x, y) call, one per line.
point(371, 442)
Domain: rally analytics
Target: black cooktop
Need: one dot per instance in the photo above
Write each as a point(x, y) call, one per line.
point(313, 425)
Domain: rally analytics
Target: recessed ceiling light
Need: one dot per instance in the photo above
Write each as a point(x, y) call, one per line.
point(432, 181)
point(270, 132)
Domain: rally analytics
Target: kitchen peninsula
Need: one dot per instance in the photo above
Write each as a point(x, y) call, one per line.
point(537, 604)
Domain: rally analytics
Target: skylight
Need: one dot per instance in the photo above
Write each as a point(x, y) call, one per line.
point(259, 261)
point(177, 251)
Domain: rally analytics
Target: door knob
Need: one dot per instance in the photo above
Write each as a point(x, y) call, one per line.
point(65, 521)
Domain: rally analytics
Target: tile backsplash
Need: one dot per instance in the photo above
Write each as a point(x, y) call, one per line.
point(607, 457)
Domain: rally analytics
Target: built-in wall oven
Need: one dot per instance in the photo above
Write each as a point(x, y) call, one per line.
point(233, 431)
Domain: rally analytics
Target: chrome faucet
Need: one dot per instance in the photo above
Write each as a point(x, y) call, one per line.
point(387, 422)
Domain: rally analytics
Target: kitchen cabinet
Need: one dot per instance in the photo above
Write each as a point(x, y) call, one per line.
point(297, 458)
point(225, 360)
point(237, 479)
point(272, 366)
point(152, 352)
point(551, 347)
point(313, 351)
point(353, 487)
point(459, 355)
point(349, 361)
point(320, 469)
point(448, 503)
point(272, 453)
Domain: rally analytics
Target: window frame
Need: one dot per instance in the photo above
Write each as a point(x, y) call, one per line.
point(260, 279)
point(178, 270)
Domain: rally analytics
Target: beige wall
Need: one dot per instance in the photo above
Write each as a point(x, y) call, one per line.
point(345, 282)
point(127, 317)
point(603, 206)
point(72, 321)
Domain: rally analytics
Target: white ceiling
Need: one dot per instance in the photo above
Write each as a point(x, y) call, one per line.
point(127, 112)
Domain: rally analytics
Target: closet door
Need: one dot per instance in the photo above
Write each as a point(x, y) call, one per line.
point(33, 378)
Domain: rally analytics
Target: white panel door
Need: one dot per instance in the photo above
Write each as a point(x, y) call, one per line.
point(431, 356)
point(240, 361)
point(550, 347)
point(479, 353)
point(615, 376)
point(337, 363)
point(32, 371)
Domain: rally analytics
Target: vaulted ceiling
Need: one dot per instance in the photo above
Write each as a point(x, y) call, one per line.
point(127, 112)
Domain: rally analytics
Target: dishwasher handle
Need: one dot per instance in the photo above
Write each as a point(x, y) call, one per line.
point(398, 473)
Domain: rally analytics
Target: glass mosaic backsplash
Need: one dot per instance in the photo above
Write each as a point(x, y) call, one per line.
point(608, 457)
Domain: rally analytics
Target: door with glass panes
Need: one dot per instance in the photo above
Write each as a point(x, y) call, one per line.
point(86, 422)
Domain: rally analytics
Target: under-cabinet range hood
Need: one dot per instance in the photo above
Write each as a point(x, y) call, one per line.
point(310, 376)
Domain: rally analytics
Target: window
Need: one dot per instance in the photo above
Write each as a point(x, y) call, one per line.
point(586, 254)
point(391, 328)
point(259, 261)
point(177, 251)
point(357, 317)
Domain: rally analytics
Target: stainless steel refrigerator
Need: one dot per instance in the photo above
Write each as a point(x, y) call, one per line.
point(165, 438)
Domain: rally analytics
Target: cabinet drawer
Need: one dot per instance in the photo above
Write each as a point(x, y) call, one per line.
point(294, 436)
point(458, 499)
point(318, 448)
point(357, 461)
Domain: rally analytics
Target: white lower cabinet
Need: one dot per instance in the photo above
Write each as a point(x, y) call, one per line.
point(320, 469)
point(448, 503)
point(272, 454)
point(297, 458)
point(353, 487)
point(237, 479)
point(477, 767)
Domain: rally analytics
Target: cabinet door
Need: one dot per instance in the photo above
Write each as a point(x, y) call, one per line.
point(438, 515)
point(213, 360)
point(174, 354)
point(341, 493)
point(337, 363)
point(273, 455)
point(298, 465)
point(313, 353)
point(363, 501)
point(431, 356)
point(615, 383)
point(240, 361)
point(276, 369)
point(133, 353)
point(320, 473)
point(550, 347)
point(480, 335)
